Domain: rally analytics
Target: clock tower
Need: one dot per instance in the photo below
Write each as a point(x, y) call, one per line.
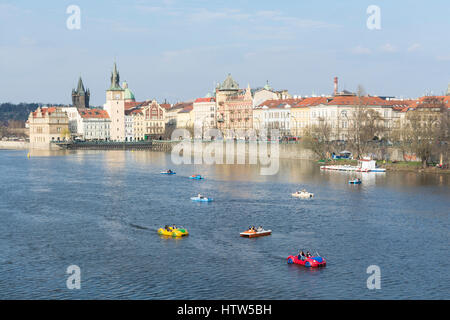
point(115, 106)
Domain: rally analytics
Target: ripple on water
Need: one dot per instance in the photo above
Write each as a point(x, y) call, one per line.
point(56, 213)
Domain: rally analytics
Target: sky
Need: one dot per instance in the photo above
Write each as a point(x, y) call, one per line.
point(177, 50)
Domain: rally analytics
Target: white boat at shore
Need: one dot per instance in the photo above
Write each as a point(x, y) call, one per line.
point(364, 165)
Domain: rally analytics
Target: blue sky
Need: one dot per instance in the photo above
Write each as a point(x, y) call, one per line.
point(177, 50)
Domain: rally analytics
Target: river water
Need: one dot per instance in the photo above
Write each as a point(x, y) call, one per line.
point(100, 210)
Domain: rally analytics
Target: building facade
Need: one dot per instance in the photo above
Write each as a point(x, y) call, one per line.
point(47, 125)
point(273, 114)
point(95, 124)
point(204, 113)
point(234, 108)
point(268, 93)
point(148, 121)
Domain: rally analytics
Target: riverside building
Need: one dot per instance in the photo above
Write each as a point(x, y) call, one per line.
point(47, 125)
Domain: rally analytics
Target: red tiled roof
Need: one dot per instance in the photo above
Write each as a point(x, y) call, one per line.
point(180, 105)
point(132, 104)
point(165, 105)
point(44, 111)
point(355, 100)
point(311, 101)
point(133, 111)
point(93, 113)
point(444, 99)
point(274, 103)
point(187, 109)
point(211, 99)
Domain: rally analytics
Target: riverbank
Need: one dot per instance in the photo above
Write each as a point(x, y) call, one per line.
point(14, 145)
point(405, 166)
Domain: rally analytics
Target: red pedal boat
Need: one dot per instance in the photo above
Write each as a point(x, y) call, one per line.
point(309, 262)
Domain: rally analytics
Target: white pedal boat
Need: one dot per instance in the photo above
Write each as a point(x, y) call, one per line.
point(303, 194)
point(254, 234)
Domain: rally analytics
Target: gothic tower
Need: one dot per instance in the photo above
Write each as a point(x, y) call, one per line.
point(80, 96)
point(115, 106)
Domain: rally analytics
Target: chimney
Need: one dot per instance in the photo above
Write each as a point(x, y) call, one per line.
point(335, 85)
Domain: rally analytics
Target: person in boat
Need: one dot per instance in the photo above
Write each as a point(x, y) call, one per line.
point(308, 254)
point(174, 227)
point(167, 227)
point(260, 228)
point(301, 255)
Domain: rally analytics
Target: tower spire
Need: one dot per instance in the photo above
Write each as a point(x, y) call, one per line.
point(115, 78)
point(80, 88)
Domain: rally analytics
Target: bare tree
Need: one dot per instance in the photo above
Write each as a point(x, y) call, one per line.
point(318, 138)
point(425, 130)
point(365, 124)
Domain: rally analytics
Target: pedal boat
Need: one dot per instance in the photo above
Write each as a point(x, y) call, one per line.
point(178, 232)
point(312, 262)
point(254, 234)
point(196, 177)
point(201, 199)
point(355, 181)
point(303, 194)
point(168, 172)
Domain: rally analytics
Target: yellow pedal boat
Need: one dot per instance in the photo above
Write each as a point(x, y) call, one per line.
point(178, 232)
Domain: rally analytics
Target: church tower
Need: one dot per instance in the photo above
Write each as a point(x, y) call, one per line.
point(115, 106)
point(80, 96)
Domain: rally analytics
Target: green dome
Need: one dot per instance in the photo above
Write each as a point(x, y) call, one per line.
point(267, 87)
point(128, 95)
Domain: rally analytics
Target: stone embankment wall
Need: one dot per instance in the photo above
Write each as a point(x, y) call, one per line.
point(296, 151)
point(18, 145)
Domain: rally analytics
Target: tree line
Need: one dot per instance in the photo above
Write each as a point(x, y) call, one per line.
point(424, 131)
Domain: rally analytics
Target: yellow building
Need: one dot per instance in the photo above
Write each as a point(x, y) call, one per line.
point(301, 114)
point(148, 121)
point(48, 125)
point(185, 117)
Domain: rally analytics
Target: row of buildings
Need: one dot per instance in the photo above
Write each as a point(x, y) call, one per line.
point(229, 108)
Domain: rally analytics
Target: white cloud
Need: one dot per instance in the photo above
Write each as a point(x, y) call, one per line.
point(27, 41)
point(361, 50)
point(388, 48)
point(443, 58)
point(414, 47)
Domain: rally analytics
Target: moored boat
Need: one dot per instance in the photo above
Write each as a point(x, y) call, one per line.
point(364, 165)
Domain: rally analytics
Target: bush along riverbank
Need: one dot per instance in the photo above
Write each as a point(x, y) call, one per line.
point(408, 166)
